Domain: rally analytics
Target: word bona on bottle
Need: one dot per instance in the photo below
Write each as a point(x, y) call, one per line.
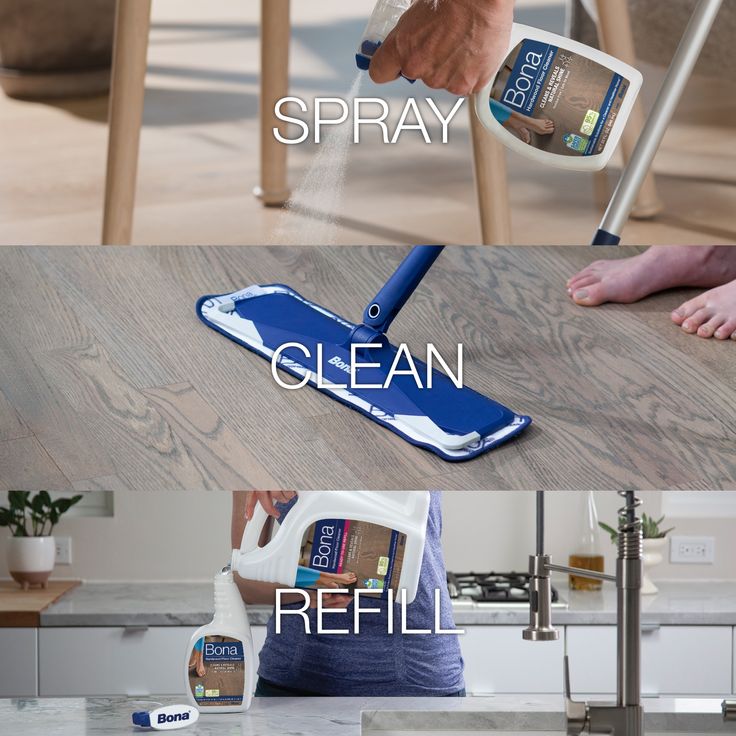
point(358, 611)
point(366, 112)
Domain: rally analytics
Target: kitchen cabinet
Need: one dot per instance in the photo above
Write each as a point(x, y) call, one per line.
point(676, 660)
point(19, 670)
point(498, 660)
point(115, 660)
point(77, 661)
point(134, 660)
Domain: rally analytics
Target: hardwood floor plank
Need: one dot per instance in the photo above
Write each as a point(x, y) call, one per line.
point(54, 421)
point(147, 450)
point(209, 438)
point(26, 466)
point(12, 426)
point(620, 398)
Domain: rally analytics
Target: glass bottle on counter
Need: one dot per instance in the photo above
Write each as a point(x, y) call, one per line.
point(587, 552)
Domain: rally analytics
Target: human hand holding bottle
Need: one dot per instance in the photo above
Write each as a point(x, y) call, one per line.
point(456, 45)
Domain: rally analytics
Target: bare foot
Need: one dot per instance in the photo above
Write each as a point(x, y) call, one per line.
point(347, 578)
point(711, 314)
point(542, 126)
point(524, 135)
point(628, 280)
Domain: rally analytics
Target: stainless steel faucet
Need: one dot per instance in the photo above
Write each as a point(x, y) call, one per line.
point(625, 716)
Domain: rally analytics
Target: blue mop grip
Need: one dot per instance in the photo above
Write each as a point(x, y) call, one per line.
point(384, 307)
point(603, 237)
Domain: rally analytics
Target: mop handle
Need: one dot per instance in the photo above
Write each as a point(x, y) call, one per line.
point(673, 87)
point(384, 307)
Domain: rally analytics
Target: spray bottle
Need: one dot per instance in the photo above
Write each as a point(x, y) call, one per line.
point(341, 539)
point(554, 100)
point(220, 667)
point(383, 20)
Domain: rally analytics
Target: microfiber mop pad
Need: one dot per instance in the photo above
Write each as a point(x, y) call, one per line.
point(455, 423)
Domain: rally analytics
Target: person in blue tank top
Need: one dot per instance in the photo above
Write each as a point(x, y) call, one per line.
point(373, 662)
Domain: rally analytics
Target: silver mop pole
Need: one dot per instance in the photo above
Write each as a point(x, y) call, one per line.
point(673, 87)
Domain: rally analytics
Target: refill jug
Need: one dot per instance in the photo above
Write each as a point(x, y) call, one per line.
point(341, 539)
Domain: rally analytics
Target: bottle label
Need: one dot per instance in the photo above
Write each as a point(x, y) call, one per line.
point(556, 100)
point(217, 671)
point(343, 553)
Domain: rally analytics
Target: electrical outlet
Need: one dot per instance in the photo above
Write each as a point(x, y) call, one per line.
point(692, 550)
point(63, 550)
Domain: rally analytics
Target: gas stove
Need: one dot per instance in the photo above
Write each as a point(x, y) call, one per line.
point(504, 590)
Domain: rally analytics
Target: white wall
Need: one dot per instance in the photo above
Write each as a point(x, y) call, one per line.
point(153, 535)
point(185, 536)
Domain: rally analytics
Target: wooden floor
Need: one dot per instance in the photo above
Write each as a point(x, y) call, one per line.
point(200, 150)
point(108, 380)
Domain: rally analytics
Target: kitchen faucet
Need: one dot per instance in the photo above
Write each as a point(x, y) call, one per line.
point(625, 716)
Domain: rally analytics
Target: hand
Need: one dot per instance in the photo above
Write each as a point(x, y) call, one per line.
point(267, 499)
point(457, 45)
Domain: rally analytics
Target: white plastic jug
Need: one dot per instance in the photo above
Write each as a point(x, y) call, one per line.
point(341, 539)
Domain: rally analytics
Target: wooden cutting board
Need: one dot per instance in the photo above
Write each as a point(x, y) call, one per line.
point(20, 607)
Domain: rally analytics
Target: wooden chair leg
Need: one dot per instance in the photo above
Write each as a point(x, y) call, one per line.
point(275, 38)
point(132, 24)
point(616, 38)
point(491, 184)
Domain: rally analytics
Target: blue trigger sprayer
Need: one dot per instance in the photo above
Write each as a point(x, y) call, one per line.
point(383, 20)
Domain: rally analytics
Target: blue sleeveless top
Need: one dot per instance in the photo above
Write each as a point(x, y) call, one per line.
point(373, 663)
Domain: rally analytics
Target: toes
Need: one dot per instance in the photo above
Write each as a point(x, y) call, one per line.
point(726, 330)
point(711, 326)
point(582, 282)
point(583, 275)
point(694, 321)
point(590, 296)
point(687, 310)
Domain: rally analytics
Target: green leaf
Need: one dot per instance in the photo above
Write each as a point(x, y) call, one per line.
point(18, 499)
point(611, 531)
point(62, 505)
point(37, 505)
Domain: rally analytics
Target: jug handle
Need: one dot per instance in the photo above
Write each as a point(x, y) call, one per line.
point(253, 530)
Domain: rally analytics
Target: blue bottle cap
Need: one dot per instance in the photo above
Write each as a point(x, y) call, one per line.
point(142, 718)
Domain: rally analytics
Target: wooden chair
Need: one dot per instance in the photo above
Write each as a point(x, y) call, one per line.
point(132, 28)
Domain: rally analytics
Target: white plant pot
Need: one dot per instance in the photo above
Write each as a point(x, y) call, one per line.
point(31, 559)
point(653, 556)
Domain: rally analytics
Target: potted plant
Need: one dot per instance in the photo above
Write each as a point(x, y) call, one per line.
point(52, 49)
point(655, 540)
point(31, 550)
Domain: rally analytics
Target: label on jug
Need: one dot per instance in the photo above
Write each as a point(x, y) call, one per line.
point(556, 100)
point(343, 553)
point(217, 671)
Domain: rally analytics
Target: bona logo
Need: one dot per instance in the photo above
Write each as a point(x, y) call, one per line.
point(220, 650)
point(323, 546)
point(518, 87)
point(172, 717)
point(341, 364)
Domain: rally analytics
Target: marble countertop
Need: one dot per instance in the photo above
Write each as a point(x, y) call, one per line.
point(345, 716)
point(190, 604)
